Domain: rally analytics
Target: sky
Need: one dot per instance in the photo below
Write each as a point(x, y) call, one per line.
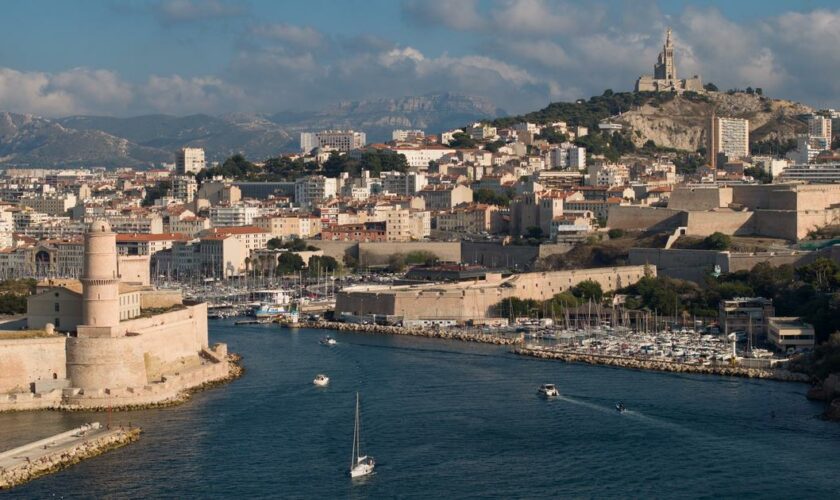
point(130, 57)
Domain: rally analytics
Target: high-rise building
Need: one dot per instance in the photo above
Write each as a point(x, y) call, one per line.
point(189, 160)
point(731, 136)
point(819, 126)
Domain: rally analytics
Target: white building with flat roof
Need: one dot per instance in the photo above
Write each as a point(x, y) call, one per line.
point(189, 160)
point(731, 137)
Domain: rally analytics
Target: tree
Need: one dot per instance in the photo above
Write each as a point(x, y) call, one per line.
point(319, 264)
point(274, 243)
point(424, 257)
point(551, 135)
point(717, 241)
point(461, 140)
point(156, 192)
point(535, 232)
point(494, 146)
point(289, 262)
point(614, 234)
point(396, 263)
point(490, 197)
point(711, 87)
point(588, 290)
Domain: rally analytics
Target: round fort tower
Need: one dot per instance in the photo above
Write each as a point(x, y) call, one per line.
point(100, 281)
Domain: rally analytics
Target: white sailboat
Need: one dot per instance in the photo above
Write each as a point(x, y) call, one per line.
point(361, 465)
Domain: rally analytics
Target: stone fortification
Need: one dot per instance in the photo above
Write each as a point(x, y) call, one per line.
point(110, 359)
point(773, 210)
point(474, 300)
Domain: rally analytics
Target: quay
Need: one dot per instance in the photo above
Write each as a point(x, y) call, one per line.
point(633, 363)
point(25, 463)
point(435, 333)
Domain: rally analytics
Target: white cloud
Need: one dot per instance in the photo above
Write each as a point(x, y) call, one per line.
point(178, 95)
point(78, 90)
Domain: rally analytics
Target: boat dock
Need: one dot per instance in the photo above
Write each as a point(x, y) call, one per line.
point(25, 463)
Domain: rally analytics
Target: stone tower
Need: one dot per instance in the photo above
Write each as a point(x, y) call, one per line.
point(100, 281)
point(665, 69)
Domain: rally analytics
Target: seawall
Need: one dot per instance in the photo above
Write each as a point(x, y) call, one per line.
point(434, 333)
point(25, 463)
point(662, 365)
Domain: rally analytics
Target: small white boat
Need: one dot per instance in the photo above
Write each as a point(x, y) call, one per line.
point(548, 391)
point(620, 408)
point(321, 380)
point(328, 341)
point(362, 465)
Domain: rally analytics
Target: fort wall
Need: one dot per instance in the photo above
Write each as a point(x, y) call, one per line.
point(24, 361)
point(645, 218)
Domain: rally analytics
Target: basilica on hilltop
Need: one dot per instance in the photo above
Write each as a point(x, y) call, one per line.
point(664, 77)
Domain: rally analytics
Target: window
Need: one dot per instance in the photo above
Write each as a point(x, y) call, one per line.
point(57, 322)
point(57, 307)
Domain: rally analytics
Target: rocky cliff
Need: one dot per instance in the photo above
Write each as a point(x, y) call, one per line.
point(683, 122)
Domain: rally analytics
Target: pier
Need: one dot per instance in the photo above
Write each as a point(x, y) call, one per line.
point(25, 463)
point(434, 333)
point(661, 365)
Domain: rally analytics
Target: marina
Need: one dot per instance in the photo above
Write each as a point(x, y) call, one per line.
point(697, 434)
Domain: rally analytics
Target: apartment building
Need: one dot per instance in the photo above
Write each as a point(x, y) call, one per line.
point(731, 136)
point(189, 161)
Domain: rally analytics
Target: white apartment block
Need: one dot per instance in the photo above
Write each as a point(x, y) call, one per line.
point(408, 135)
point(314, 189)
point(50, 204)
point(340, 140)
point(807, 148)
point(731, 137)
point(566, 156)
point(184, 188)
point(151, 224)
point(403, 183)
point(420, 157)
point(479, 131)
point(819, 126)
point(189, 160)
point(237, 215)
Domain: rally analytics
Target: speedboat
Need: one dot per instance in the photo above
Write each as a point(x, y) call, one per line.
point(548, 391)
point(321, 380)
point(328, 341)
point(620, 408)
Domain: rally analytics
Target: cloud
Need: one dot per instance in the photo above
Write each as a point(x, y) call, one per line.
point(301, 36)
point(178, 95)
point(186, 11)
point(76, 91)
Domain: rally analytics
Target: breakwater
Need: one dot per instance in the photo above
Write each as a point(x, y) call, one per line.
point(662, 365)
point(25, 463)
point(434, 333)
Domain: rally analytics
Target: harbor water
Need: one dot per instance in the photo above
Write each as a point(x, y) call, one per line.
point(447, 419)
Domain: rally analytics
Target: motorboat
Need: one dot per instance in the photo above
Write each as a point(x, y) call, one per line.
point(620, 408)
point(362, 465)
point(321, 380)
point(328, 341)
point(548, 391)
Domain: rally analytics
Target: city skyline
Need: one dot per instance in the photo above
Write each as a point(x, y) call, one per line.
point(213, 56)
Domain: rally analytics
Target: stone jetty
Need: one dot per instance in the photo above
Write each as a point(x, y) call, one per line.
point(661, 365)
point(25, 463)
point(432, 333)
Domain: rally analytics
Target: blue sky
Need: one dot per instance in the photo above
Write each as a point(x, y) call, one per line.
point(122, 57)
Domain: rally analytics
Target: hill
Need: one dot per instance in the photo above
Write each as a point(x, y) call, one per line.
point(679, 121)
point(27, 140)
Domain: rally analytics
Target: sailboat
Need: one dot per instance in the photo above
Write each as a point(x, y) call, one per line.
point(361, 465)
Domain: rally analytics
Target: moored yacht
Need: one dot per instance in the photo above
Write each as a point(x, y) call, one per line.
point(321, 380)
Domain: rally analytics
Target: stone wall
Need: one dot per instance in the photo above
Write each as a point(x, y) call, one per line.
point(636, 218)
point(496, 256)
point(336, 249)
point(695, 265)
point(160, 299)
point(700, 198)
point(724, 221)
point(24, 361)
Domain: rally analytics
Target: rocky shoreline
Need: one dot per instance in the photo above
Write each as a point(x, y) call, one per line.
point(433, 333)
point(662, 366)
point(61, 459)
